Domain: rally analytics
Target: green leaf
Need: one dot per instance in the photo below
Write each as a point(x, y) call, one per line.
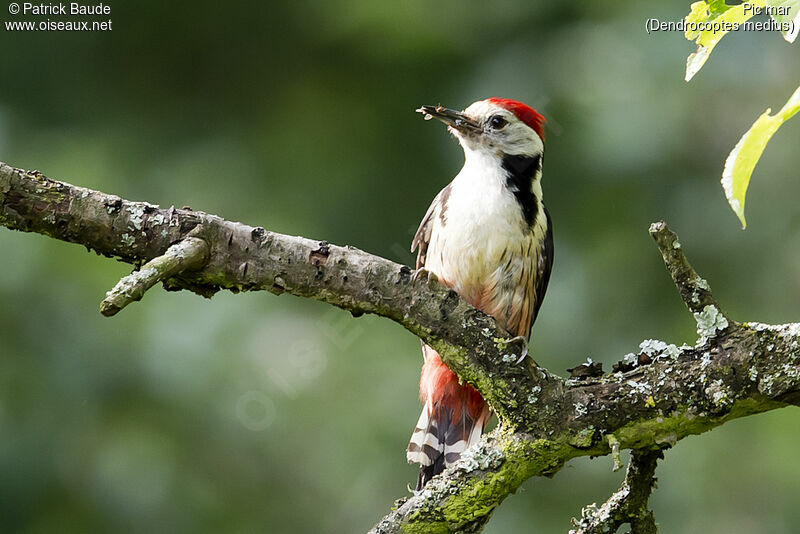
point(787, 14)
point(744, 156)
point(715, 19)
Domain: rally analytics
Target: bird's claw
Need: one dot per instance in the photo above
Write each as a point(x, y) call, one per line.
point(423, 272)
point(524, 342)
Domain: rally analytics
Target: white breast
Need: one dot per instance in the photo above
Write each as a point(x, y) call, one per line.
point(483, 235)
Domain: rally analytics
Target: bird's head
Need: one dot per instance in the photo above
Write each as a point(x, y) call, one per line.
point(496, 127)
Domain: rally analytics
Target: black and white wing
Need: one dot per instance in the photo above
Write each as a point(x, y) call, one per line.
point(423, 236)
point(544, 267)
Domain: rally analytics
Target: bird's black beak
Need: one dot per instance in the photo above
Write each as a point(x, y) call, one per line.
point(450, 117)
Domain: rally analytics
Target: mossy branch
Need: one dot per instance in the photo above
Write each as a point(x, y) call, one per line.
point(629, 504)
point(651, 400)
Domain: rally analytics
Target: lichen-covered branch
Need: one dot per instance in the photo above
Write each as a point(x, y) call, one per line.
point(694, 290)
point(629, 504)
point(674, 393)
point(184, 256)
point(246, 258)
point(653, 397)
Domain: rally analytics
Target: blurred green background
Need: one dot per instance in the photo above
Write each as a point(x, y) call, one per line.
point(251, 412)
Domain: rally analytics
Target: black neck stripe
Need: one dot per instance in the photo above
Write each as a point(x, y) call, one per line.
point(520, 171)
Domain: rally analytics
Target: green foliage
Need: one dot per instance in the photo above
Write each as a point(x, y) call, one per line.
point(707, 23)
point(791, 17)
point(744, 156)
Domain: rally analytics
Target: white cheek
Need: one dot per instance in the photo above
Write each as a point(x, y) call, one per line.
point(522, 140)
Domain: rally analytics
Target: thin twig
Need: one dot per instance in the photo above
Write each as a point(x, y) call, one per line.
point(694, 290)
point(629, 504)
point(187, 255)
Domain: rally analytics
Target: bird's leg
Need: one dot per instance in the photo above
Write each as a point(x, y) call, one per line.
point(423, 272)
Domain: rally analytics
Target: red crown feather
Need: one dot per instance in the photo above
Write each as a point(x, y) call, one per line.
point(525, 113)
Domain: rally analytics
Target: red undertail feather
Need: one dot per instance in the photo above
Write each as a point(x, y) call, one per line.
point(452, 419)
point(442, 384)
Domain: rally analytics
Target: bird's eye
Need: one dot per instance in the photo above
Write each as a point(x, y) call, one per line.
point(497, 122)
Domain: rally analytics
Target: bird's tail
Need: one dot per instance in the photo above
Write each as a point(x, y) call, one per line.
point(442, 434)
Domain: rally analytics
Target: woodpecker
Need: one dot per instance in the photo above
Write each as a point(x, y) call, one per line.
point(488, 236)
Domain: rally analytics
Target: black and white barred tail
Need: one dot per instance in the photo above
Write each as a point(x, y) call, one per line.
point(438, 441)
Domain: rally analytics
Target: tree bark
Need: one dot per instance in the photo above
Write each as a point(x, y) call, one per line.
point(627, 505)
point(651, 400)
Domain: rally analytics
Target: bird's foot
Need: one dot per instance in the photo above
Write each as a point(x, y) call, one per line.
point(425, 274)
point(523, 341)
